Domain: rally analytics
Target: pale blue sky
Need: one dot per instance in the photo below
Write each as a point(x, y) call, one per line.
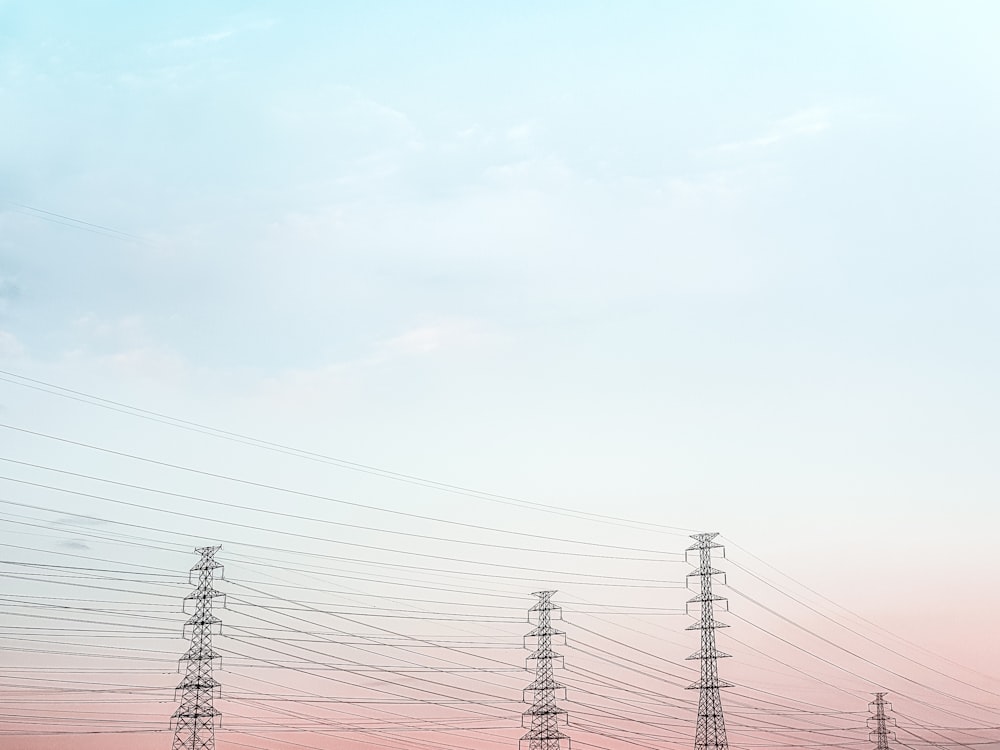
point(718, 264)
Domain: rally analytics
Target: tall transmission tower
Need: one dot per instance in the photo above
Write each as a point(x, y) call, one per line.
point(544, 716)
point(194, 720)
point(710, 733)
point(880, 733)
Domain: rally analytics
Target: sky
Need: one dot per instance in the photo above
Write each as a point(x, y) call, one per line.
point(718, 266)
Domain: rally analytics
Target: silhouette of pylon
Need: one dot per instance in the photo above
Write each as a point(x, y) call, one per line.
point(194, 721)
point(710, 732)
point(544, 717)
point(880, 733)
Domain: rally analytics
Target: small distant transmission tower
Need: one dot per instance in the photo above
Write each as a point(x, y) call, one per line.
point(880, 733)
point(544, 716)
point(194, 719)
point(710, 733)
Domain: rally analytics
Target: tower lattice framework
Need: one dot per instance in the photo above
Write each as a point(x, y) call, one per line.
point(544, 717)
point(710, 732)
point(194, 720)
point(880, 722)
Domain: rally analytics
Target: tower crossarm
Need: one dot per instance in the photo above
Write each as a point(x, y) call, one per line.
point(194, 721)
point(710, 730)
point(544, 717)
point(880, 722)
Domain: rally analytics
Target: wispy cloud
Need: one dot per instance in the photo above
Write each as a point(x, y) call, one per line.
point(9, 288)
point(430, 338)
point(806, 122)
point(337, 382)
point(520, 132)
point(125, 346)
point(192, 41)
point(216, 36)
point(10, 345)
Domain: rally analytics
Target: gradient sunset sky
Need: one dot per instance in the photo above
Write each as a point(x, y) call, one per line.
point(726, 266)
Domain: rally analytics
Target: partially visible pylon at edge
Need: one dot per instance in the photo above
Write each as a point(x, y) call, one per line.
point(195, 718)
point(544, 717)
point(880, 733)
point(710, 732)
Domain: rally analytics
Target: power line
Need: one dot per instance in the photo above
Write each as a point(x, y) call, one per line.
point(69, 221)
point(855, 614)
point(645, 583)
point(353, 465)
point(314, 519)
point(315, 496)
point(825, 616)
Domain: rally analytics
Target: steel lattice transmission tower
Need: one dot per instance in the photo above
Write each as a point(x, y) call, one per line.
point(194, 720)
point(710, 733)
point(544, 717)
point(880, 733)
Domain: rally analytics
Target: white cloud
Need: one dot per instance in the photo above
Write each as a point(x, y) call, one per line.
point(806, 122)
point(217, 36)
point(431, 338)
point(334, 385)
point(127, 330)
point(192, 41)
point(125, 346)
point(305, 388)
point(531, 173)
point(151, 362)
point(520, 132)
point(10, 346)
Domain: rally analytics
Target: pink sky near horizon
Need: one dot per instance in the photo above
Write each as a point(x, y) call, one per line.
point(418, 308)
point(757, 678)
